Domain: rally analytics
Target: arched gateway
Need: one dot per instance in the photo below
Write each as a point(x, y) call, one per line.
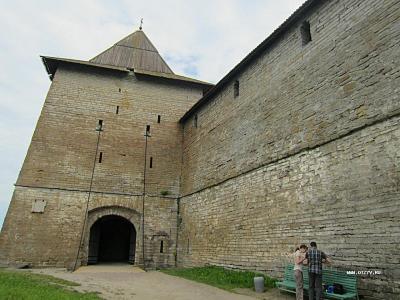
point(112, 239)
point(111, 235)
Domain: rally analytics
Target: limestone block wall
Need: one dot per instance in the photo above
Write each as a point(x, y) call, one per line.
point(344, 195)
point(294, 97)
point(63, 147)
point(308, 150)
point(52, 238)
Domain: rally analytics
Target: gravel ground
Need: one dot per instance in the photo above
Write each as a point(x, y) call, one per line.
point(126, 282)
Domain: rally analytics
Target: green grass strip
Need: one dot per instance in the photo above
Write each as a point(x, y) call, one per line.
point(21, 285)
point(220, 277)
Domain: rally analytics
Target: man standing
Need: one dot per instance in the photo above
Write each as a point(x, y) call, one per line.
point(315, 257)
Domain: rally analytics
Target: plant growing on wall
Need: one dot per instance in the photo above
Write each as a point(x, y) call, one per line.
point(164, 193)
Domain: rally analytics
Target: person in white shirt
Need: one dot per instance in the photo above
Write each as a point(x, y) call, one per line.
point(299, 260)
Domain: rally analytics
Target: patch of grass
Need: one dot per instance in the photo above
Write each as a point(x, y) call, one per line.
point(21, 285)
point(220, 277)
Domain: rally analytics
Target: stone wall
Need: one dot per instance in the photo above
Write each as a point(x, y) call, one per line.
point(63, 146)
point(294, 97)
point(344, 195)
point(52, 238)
point(307, 151)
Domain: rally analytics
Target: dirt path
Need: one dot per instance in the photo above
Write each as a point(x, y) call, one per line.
point(127, 282)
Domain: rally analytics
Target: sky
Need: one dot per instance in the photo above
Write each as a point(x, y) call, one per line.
point(201, 39)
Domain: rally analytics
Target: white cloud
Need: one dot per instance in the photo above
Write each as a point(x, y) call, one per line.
point(206, 38)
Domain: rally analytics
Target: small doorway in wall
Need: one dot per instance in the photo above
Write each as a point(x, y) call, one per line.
point(112, 240)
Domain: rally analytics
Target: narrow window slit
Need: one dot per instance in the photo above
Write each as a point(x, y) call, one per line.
point(100, 157)
point(119, 90)
point(158, 119)
point(305, 32)
point(117, 111)
point(151, 162)
point(162, 247)
point(99, 126)
point(236, 89)
point(147, 128)
point(195, 121)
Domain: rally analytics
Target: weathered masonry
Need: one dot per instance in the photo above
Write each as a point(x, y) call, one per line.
point(299, 142)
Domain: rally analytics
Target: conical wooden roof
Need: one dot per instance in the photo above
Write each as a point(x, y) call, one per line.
point(134, 52)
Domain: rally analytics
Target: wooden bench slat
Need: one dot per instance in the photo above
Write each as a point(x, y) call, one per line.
point(340, 296)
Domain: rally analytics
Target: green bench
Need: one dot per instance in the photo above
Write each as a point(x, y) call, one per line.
point(289, 282)
point(329, 276)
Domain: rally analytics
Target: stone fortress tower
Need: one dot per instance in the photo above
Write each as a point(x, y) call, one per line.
point(298, 142)
point(82, 183)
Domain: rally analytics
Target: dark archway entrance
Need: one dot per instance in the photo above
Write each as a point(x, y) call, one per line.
point(112, 239)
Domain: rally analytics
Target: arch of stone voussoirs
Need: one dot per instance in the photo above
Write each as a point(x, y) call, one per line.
point(97, 213)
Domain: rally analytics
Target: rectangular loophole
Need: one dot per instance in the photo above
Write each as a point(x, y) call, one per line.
point(151, 162)
point(305, 33)
point(147, 128)
point(99, 126)
point(100, 157)
point(161, 246)
point(195, 120)
point(117, 110)
point(158, 119)
point(236, 89)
